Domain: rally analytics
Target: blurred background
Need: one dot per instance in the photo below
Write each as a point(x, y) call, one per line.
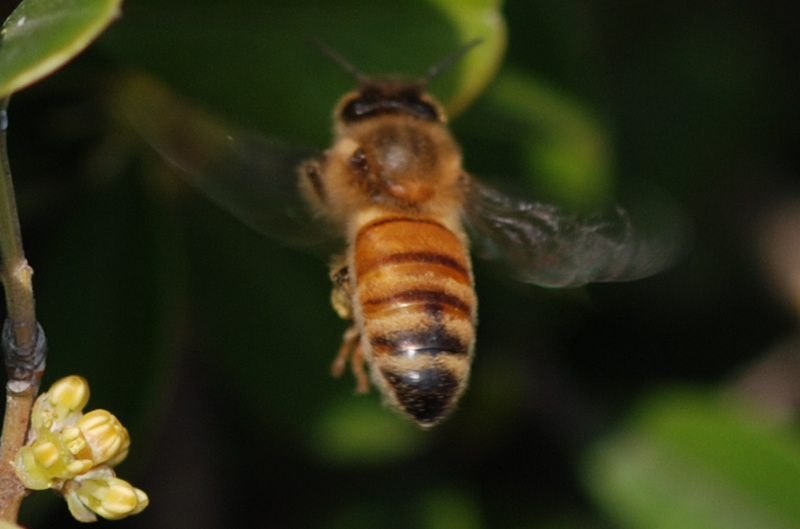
point(666, 402)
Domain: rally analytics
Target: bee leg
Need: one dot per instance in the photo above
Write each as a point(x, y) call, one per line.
point(357, 366)
point(341, 295)
point(351, 349)
point(341, 299)
point(349, 343)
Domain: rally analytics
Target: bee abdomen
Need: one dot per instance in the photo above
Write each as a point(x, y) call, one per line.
point(426, 394)
point(410, 343)
point(413, 276)
point(417, 305)
point(430, 300)
point(410, 247)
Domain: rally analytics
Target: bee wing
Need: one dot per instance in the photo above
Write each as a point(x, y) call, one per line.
point(252, 177)
point(538, 243)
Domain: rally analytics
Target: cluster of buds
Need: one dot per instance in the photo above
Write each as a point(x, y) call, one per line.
point(73, 453)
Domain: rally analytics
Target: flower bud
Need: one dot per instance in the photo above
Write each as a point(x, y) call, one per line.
point(100, 492)
point(98, 436)
point(38, 466)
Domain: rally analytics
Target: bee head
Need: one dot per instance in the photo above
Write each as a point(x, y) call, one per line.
point(382, 97)
point(378, 97)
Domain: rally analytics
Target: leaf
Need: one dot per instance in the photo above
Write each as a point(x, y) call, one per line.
point(251, 61)
point(359, 431)
point(566, 147)
point(693, 459)
point(40, 36)
point(476, 18)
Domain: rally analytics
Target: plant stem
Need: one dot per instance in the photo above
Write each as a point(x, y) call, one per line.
point(15, 273)
point(23, 339)
point(15, 430)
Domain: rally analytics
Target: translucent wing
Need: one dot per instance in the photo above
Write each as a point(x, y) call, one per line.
point(537, 243)
point(250, 176)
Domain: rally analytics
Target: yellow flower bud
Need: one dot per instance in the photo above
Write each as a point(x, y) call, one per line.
point(80, 466)
point(69, 394)
point(98, 436)
point(45, 454)
point(103, 493)
point(61, 405)
point(42, 415)
point(73, 437)
point(46, 460)
point(73, 453)
point(120, 499)
point(29, 472)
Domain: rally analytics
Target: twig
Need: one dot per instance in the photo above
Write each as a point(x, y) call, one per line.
point(23, 339)
point(15, 429)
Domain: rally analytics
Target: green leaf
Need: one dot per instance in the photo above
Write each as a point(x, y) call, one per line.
point(40, 36)
point(445, 507)
point(566, 148)
point(360, 431)
point(476, 18)
point(693, 459)
point(251, 61)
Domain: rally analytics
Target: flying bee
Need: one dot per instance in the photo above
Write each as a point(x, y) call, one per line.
point(393, 190)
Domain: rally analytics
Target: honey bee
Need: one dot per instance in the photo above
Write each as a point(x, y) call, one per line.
point(392, 186)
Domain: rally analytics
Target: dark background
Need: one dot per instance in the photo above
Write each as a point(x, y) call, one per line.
point(212, 344)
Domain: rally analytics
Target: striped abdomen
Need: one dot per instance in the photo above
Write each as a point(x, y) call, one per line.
point(417, 307)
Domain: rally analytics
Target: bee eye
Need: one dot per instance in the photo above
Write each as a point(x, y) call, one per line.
point(424, 110)
point(358, 108)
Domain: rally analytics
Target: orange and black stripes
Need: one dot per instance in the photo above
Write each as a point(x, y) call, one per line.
point(402, 220)
point(412, 265)
point(414, 289)
point(423, 257)
point(435, 342)
point(432, 297)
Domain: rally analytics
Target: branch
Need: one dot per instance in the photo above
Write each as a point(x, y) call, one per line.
point(23, 340)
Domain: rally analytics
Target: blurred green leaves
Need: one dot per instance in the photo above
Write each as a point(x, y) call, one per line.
point(141, 282)
point(696, 459)
point(567, 152)
point(283, 85)
point(358, 431)
point(40, 36)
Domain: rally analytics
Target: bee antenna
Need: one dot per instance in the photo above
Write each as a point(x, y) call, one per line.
point(448, 61)
point(338, 59)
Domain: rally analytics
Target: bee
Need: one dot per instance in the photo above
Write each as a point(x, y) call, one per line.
point(393, 188)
